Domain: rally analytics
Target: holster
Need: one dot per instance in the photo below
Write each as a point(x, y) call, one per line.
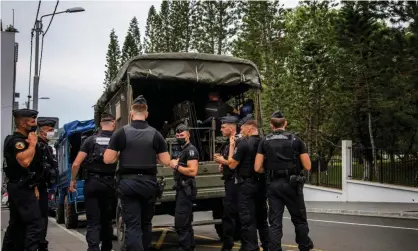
point(297, 182)
point(189, 187)
point(160, 187)
point(28, 180)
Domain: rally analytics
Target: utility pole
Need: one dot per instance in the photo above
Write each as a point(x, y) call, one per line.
point(38, 30)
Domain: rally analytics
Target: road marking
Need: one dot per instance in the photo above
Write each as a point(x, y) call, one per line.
point(74, 233)
point(360, 224)
point(161, 239)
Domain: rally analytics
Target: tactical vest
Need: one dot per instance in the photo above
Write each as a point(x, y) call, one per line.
point(95, 163)
point(246, 167)
point(280, 154)
point(139, 155)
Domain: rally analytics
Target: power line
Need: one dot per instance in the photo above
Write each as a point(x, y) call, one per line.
point(53, 14)
point(43, 36)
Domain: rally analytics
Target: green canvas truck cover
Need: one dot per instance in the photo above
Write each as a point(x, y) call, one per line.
point(200, 68)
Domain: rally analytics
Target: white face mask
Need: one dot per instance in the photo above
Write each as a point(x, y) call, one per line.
point(50, 135)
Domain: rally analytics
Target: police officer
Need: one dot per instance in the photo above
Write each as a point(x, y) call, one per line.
point(242, 159)
point(230, 213)
point(217, 108)
point(47, 173)
point(249, 132)
point(185, 169)
point(140, 147)
point(284, 155)
point(99, 190)
point(21, 158)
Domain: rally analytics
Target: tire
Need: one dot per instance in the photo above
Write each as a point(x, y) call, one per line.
point(59, 215)
point(70, 217)
point(120, 228)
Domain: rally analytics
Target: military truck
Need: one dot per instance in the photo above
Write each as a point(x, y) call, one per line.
point(176, 87)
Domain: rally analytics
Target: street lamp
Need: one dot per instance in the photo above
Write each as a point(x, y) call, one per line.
point(33, 100)
point(38, 31)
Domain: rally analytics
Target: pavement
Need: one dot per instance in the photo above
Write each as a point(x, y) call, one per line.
point(389, 210)
point(329, 232)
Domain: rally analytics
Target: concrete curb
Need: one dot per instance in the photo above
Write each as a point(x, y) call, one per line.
point(398, 215)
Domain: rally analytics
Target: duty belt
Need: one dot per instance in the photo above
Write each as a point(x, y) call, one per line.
point(101, 175)
point(133, 176)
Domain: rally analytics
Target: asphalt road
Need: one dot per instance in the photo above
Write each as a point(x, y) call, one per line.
point(329, 233)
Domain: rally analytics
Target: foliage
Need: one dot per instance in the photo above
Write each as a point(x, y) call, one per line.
point(113, 58)
point(337, 69)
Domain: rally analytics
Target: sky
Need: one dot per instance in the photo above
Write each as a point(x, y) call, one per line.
point(74, 54)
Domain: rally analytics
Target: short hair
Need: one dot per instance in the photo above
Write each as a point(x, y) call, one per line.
point(139, 108)
point(251, 123)
point(278, 122)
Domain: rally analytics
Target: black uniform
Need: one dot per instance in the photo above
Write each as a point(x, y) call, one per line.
point(218, 109)
point(245, 152)
point(185, 194)
point(47, 176)
point(282, 150)
point(230, 218)
point(138, 186)
point(25, 214)
point(99, 192)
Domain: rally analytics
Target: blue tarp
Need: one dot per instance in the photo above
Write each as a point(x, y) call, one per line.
point(76, 127)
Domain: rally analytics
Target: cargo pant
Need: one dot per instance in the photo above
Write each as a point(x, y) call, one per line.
point(281, 194)
point(183, 219)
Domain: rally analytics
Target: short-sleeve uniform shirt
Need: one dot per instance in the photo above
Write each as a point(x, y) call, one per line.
point(189, 152)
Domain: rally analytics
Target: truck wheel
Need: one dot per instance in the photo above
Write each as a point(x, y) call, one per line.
point(120, 228)
point(70, 217)
point(59, 216)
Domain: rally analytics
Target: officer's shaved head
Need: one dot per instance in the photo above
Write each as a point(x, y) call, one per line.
point(249, 128)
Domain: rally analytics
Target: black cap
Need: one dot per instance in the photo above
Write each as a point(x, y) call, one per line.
point(277, 115)
point(140, 100)
point(25, 113)
point(46, 122)
point(229, 120)
point(181, 128)
point(107, 117)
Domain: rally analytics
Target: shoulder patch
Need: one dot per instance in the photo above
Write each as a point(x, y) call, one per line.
point(20, 145)
point(191, 153)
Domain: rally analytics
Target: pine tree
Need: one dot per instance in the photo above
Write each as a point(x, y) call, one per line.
point(165, 26)
point(181, 16)
point(130, 46)
point(226, 21)
point(150, 36)
point(112, 59)
point(136, 34)
point(129, 49)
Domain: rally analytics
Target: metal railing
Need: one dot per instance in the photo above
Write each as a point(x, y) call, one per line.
point(325, 173)
point(385, 166)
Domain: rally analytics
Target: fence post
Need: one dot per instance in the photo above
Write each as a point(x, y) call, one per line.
point(346, 157)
